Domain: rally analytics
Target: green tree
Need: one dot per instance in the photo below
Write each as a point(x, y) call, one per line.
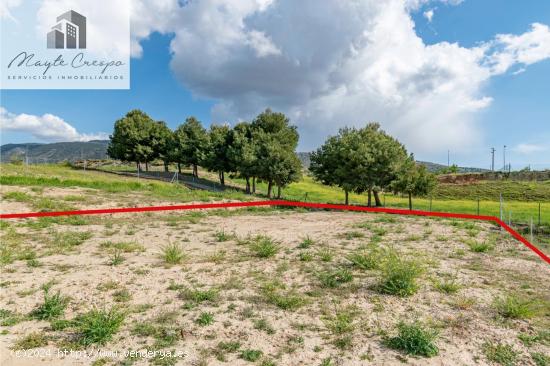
point(275, 141)
point(385, 156)
point(131, 139)
point(413, 179)
point(162, 143)
point(217, 156)
point(191, 142)
point(241, 152)
point(341, 161)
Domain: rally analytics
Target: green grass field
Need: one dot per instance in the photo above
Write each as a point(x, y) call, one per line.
point(520, 202)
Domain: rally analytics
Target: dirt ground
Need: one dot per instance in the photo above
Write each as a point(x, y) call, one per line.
point(277, 304)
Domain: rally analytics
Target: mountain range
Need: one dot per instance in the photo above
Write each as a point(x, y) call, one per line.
point(35, 153)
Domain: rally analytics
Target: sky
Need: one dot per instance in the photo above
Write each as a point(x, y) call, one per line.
point(446, 77)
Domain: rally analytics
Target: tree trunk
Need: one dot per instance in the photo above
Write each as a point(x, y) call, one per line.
point(269, 188)
point(166, 166)
point(146, 166)
point(377, 199)
point(223, 178)
point(278, 192)
point(254, 185)
point(369, 200)
point(179, 168)
point(248, 185)
point(410, 201)
point(195, 171)
point(347, 197)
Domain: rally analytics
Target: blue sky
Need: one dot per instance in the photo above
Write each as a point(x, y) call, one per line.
point(199, 74)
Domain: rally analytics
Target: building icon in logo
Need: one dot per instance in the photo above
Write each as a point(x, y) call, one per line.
point(69, 32)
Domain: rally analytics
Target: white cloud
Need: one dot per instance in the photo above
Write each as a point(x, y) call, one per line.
point(526, 149)
point(329, 64)
point(47, 127)
point(6, 6)
point(429, 14)
point(509, 50)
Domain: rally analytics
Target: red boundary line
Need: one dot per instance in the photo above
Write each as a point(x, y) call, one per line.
point(328, 206)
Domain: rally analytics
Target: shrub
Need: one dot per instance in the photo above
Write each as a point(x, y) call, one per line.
point(263, 246)
point(414, 339)
point(98, 326)
point(32, 340)
point(306, 243)
point(199, 295)
point(205, 319)
point(52, 307)
point(479, 247)
point(364, 259)
point(540, 359)
point(335, 278)
point(449, 286)
point(173, 253)
point(503, 354)
point(251, 355)
point(514, 307)
point(399, 275)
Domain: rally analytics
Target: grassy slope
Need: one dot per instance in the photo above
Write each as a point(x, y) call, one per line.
point(521, 209)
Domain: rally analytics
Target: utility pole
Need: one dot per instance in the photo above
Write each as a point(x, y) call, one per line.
point(504, 157)
point(492, 159)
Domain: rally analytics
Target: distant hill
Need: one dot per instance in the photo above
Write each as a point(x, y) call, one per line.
point(432, 167)
point(54, 152)
point(97, 149)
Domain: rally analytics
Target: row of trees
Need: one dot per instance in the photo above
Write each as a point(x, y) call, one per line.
point(369, 160)
point(261, 150)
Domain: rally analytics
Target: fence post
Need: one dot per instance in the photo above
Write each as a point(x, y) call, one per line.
point(531, 229)
point(539, 214)
point(500, 203)
point(510, 218)
point(478, 206)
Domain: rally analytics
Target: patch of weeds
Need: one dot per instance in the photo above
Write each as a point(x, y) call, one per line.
point(116, 258)
point(53, 306)
point(540, 359)
point(263, 246)
point(263, 324)
point(350, 235)
point(32, 340)
point(226, 347)
point(325, 254)
point(515, 307)
point(9, 318)
point(335, 278)
point(122, 295)
point(218, 256)
point(447, 286)
point(98, 326)
point(542, 337)
point(503, 354)
point(198, 296)
point(305, 256)
point(17, 196)
point(173, 254)
point(365, 259)
point(306, 243)
point(464, 303)
point(251, 355)
point(283, 299)
point(414, 339)
point(204, 319)
point(222, 236)
point(62, 242)
point(342, 326)
point(479, 247)
point(123, 246)
point(399, 275)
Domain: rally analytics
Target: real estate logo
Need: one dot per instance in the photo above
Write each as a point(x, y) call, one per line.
point(69, 32)
point(49, 45)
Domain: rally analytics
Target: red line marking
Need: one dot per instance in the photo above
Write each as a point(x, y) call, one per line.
point(328, 206)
